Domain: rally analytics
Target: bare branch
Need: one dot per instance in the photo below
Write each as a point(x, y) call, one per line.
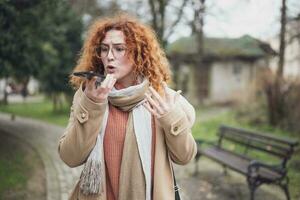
point(181, 9)
point(154, 19)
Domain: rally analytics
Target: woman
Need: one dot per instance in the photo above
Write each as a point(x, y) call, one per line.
point(128, 130)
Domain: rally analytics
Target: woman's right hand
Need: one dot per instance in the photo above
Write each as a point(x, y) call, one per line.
point(99, 94)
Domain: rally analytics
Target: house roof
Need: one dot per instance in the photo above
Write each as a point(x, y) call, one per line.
point(244, 47)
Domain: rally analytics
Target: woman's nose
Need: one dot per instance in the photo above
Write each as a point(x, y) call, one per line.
point(110, 55)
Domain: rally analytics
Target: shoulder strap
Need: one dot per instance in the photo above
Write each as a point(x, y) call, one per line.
point(176, 188)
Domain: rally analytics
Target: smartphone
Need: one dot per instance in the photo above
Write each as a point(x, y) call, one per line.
point(89, 75)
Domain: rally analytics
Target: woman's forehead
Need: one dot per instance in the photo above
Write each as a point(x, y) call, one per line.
point(114, 37)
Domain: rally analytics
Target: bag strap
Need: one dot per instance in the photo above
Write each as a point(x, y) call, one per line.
point(176, 188)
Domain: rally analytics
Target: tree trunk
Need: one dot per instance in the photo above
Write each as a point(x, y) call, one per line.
point(24, 91)
point(158, 10)
point(280, 69)
point(5, 93)
point(54, 102)
point(197, 26)
point(274, 92)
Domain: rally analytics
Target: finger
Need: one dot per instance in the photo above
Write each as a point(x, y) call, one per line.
point(111, 83)
point(163, 104)
point(152, 111)
point(157, 97)
point(167, 94)
point(105, 82)
point(177, 95)
point(91, 84)
point(98, 82)
point(103, 90)
point(154, 104)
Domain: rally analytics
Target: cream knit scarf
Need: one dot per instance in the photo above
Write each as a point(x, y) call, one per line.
point(135, 174)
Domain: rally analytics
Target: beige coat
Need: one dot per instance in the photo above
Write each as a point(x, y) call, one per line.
point(174, 141)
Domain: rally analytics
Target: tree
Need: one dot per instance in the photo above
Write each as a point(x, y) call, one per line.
point(280, 69)
point(39, 38)
point(60, 50)
point(20, 42)
point(278, 89)
point(200, 69)
point(158, 9)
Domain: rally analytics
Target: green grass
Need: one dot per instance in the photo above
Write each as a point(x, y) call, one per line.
point(13, 167)
point(42, 111)
point(12, 172)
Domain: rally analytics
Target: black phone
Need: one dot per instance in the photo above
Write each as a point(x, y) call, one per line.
point(89, 75)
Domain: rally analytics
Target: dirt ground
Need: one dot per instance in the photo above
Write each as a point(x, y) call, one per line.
point(35, 188)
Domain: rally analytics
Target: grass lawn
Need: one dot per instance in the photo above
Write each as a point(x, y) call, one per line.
point(42, 111)
point(12, 169)
point(21, 171)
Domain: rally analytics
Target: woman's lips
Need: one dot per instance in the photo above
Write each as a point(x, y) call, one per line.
point(110, 69)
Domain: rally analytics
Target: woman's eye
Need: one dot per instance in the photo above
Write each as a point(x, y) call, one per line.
point(103, 49)
point(120, 48)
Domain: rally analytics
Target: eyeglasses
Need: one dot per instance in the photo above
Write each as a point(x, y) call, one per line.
point(118, 50)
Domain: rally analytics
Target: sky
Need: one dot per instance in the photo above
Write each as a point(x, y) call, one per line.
point(234, 18)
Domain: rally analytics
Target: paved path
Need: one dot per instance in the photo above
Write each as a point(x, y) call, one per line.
point(44, 138)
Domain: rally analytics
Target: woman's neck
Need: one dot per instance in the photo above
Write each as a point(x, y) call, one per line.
point(121, 85)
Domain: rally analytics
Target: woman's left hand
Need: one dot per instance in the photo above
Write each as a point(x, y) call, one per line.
point(157, 105)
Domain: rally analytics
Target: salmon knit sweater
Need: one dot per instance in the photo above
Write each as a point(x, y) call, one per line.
point(113, 147)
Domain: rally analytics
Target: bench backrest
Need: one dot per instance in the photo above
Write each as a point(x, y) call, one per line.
point(270, 144)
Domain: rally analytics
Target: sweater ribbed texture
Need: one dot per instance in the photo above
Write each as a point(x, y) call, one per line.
point(113, 146)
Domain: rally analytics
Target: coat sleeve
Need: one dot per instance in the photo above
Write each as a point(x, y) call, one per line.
point(177, 125)
point(81, 132)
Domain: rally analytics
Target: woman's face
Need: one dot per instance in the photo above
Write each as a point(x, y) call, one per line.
point(113, 53)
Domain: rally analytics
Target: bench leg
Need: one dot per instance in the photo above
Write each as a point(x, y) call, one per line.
point(252, 192)
point(285, 187)
point(286, 191)
point(196, 164)
point(253, 184)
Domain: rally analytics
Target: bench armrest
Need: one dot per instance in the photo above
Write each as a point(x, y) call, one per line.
point(254, 166)
point(201, 141)
point(199, 149)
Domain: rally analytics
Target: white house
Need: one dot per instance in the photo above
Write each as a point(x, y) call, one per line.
point(231, 67)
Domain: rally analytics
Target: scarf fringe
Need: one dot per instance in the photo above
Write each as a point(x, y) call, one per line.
point(91, 183)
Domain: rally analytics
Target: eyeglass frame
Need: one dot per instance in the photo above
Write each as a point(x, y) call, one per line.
point(110, 48)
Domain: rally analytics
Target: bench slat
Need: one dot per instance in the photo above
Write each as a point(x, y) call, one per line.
point(237, 162)
point(276, 147)
point(262, 147)
point(262, 135)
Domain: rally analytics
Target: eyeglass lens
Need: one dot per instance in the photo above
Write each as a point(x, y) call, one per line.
point(118, 50)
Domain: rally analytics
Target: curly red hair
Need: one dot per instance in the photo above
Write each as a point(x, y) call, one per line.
point(143, 48)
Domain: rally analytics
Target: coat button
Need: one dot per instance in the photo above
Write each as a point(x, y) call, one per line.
point(83, 115)
point(175, 128)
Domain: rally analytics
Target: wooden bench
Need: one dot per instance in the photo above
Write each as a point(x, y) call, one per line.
point(240, 150)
